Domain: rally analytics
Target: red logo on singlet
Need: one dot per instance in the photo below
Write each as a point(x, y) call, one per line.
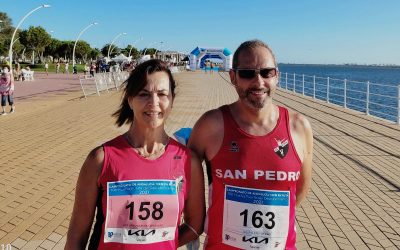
point(234, 147)
point(282, 147)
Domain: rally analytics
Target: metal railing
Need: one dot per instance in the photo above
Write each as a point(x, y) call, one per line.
point(102, 82)
point(371, 98)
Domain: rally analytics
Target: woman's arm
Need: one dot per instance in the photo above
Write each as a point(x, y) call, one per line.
point(85, 200)
point(195, 209)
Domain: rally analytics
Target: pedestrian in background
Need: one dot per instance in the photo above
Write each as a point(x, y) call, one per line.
point(7, 90)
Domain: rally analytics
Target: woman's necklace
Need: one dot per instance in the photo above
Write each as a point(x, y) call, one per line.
point(143, 153)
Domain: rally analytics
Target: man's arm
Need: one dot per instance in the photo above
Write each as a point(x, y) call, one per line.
point(301, 130)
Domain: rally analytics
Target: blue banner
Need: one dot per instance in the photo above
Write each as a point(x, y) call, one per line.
point(257, 196)
point(142, 187)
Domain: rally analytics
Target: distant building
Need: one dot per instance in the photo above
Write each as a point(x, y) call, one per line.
point(171, 56)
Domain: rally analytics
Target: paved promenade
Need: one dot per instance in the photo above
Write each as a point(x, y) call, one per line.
point(354, 202)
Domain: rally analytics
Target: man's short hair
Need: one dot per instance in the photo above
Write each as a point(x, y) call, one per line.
point(251, 44)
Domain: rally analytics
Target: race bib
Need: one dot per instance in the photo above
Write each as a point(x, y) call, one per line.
point(141, 211)
point(255, 218)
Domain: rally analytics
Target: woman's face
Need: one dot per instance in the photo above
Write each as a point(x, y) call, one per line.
point(153, 103)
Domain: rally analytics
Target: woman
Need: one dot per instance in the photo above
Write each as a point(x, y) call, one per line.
point(7, 90)
point(143, 180)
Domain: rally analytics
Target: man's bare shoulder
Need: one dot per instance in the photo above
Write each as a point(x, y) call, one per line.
point(207, 132)
point(299, 123)
point(210, 121)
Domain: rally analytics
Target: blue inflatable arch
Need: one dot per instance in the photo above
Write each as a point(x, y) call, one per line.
point(198, 56)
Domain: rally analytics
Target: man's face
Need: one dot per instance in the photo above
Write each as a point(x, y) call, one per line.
point(257, 91)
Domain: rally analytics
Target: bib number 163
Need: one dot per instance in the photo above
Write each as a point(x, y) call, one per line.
point(259, 219)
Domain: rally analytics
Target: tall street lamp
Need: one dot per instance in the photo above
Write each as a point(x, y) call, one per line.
point(144, 53)
point(76, 41)
point(112, 42)
point(130, 51)
point(159, 48)
point(19, 24)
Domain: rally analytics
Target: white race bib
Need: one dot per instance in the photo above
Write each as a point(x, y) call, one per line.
point(255, 218)
point(141, 211)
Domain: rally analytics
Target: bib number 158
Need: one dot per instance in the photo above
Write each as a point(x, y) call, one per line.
point(259, 219)
point(145, 212)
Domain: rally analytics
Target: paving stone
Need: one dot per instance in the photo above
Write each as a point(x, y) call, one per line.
point(34, 229)
point(41, 222)
point(61, 230)
point(371, 242)
point(302, 245)
point(18, 243)
point(54, 237)
point(8, 227)
point(32, 245)
point(316, 245)
point(47, 244)
point(337, 233)
point(355, 240)
point(2, 233)
point(26, 235)
point(329, 242)
point(345, 246)
point(312, 238)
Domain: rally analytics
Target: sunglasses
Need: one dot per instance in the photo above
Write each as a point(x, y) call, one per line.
point(251, 73)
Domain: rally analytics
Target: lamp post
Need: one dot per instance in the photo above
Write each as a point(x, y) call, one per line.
point(144, 53)
point(19, 24)
point(159, 48)
point(112, 42)
point(130, 51)
point(76, 41)
point(15, 41)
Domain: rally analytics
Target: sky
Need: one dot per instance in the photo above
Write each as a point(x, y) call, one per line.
point(308, 31)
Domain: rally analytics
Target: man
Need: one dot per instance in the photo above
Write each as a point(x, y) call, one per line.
point(258, 156)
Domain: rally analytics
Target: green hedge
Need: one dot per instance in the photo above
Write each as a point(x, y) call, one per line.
point(52, 67)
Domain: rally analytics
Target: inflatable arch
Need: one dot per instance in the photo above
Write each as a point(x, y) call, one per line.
point(198, 57)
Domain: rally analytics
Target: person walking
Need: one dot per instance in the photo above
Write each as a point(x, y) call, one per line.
point(57, 67)
point(46, 68)
point(259, 159)
point(66, 68)
point(85, 69)
point(7, 90)
point(92, 69)
point(141, 181)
